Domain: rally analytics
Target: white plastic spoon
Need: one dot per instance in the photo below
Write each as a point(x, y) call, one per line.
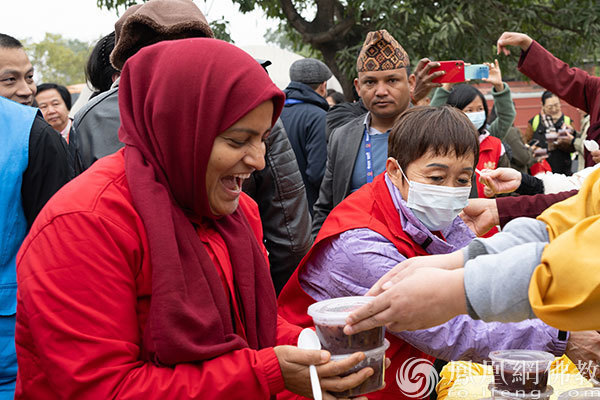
point(308, 340)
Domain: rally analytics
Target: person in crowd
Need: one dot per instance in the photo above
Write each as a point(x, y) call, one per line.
point(16, 72)
point(573, 85)
point(356, 151)
point(279, 192)
point(334, 97)
point(553, 131)
point(146, 277)
point(54, 101)
point(545, 268)
point(410, 210)
point(33, 166)
point(304, 120)
point(471, 101)
point(98, 121)
point(99, 72)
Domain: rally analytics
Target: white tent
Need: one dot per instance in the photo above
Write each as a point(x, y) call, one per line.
point(281, 60)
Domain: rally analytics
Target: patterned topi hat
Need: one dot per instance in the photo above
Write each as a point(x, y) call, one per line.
point(381, 52)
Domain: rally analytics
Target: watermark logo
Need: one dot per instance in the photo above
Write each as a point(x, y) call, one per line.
point(416, 378)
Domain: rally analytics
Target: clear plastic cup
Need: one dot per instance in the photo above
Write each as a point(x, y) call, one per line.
point(591, 393)
point(330, 316)
point(373, 358)
point(521, 371)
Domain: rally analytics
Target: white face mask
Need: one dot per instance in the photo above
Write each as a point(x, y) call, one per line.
point(435, 206)
point(477, 118)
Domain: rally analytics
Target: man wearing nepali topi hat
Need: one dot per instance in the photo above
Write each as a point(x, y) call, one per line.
point(357, 151)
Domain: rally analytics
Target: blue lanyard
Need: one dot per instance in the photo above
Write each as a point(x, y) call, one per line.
point(289, 102)
point(368, 156)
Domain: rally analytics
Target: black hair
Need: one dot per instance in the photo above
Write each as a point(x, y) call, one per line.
point(9, 42)
point(63, 91)
point(336, 96)
point(98, 70)
point(441, 130)
point(546, 95)
point(463, 94)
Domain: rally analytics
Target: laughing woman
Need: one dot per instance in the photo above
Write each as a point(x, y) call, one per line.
point(146, 277)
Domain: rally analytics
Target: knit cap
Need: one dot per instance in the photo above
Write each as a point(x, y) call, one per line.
point(381, 52)
point(309, 70)
point(154, 21)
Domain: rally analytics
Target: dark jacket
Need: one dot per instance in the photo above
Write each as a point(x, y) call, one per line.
point(97, 125)
point(342, 150)
point(342, 113)
point(304, 123)
point(281, 198)
point(49, 168)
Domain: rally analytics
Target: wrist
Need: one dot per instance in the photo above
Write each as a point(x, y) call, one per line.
point(526, 43)
point(494, 211)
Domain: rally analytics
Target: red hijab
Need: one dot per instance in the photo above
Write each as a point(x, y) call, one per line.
point(175, 97)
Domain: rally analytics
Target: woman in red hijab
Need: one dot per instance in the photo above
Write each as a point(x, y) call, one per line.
point(146, 276)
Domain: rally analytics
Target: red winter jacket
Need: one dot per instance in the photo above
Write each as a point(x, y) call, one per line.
point(369, 207)
point(84, 278)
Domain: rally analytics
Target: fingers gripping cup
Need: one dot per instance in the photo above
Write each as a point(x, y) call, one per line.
point(330, 316)
point(373, 358)
point(521, 371)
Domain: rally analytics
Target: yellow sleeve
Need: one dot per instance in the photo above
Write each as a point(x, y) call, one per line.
point(564, 291)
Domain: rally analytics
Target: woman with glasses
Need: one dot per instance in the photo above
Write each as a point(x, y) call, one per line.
point(553, 131)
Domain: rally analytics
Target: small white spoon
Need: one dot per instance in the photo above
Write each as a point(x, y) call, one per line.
point(308, 340)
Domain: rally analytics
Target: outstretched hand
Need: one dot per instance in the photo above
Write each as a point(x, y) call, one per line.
point(480, 215)
point(294, 363)
point(427, 297)
point(513, 39)
point(501, 180)
point(495, 76)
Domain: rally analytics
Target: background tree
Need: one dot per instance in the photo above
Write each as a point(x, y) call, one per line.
point(58, 60)
point(438, 29)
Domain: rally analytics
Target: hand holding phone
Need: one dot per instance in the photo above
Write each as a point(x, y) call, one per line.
point(454, 71)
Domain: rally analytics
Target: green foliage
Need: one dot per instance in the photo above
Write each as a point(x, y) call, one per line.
point(220, 28)
point(437, 29)
point(59, 60)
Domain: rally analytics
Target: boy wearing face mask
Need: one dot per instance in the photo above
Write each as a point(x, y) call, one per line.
point(409, 210)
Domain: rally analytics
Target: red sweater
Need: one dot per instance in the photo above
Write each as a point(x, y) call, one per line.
point(84, 277)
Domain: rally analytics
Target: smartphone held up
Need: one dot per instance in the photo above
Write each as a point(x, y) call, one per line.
point(457, 71)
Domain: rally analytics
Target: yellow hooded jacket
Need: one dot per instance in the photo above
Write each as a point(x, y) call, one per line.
point(564, 291)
